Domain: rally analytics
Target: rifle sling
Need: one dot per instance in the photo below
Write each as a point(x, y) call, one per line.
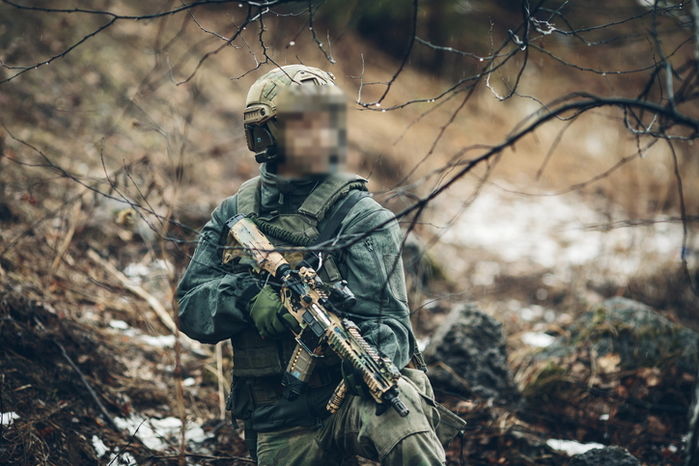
point(330, 226)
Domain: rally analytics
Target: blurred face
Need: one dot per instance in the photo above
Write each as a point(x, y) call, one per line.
point(310, 142)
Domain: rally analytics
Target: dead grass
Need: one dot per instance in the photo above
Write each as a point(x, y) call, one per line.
point(115, 106)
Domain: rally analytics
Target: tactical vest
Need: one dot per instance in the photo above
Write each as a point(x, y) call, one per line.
point(254, 356)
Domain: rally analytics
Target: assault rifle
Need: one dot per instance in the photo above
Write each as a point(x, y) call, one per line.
point(312, 302)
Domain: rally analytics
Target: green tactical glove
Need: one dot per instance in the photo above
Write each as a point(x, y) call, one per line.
point(264, 308)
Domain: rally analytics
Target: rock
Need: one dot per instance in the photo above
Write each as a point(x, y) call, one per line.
point(641, 336)
point(467, 355)
point(635, 332)
point(607, 456)
point(623, 373)
point(6, 214)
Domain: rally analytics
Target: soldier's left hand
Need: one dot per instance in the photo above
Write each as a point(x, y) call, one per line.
point(353, 380)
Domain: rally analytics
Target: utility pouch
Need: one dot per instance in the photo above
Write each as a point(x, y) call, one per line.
point(240, 402)
point(417, 361)
point(445, 423)
point(251, 440)
point(450, 425)
point(229, 408)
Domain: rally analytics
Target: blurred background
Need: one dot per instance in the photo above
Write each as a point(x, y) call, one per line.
point(121, 130)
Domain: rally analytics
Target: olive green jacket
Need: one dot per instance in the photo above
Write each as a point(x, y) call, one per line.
point(213, 298)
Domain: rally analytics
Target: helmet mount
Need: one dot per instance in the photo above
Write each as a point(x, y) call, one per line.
point(291, 89)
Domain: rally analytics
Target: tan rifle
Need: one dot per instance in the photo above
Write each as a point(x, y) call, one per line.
point(309, 300)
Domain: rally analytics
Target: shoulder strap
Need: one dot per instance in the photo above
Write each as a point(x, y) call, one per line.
point(246, 200)
point(326, 195)
point(330, 226)
point(328, 229)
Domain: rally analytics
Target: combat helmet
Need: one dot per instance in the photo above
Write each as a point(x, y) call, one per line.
point(262, 105)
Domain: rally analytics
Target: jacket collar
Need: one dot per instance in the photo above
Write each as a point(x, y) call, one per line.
point(276, 190)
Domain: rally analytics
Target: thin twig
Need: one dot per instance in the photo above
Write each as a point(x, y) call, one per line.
point(93, 394)
point(219, 376)
point(152, 301)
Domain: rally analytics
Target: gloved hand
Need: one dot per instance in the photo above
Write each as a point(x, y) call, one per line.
point(353, 380)
point(263, 312)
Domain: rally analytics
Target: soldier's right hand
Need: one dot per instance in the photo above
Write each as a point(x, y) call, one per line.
point(263, 312)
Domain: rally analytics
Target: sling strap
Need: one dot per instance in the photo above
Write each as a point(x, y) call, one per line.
point(330, 226)
point(328, 229)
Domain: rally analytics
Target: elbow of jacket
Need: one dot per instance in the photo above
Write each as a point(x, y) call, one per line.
point(187, 326)
point(192, 332)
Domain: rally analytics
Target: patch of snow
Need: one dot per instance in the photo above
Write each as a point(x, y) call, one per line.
point(124, 459)
point(538, 339)
point(160, 434)
point(138, 271)
point(142, 429)
point(485, 272)
point(196, 434)
point(550, 279)
point(531, 312)
point(422, 343)
point(549, 315)
point(189, 382)
point(513, 305)
point(572, 447)
point(8, 418)
point(552, 232)
point(161, 341)
point(99, 446)
point(118, 324)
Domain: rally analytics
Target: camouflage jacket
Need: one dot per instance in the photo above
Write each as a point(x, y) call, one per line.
point(213, 297)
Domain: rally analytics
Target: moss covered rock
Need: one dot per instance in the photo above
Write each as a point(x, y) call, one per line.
point(638, 334)
point(622, 373)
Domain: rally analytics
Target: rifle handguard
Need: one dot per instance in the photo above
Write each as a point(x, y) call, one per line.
point(305, 296)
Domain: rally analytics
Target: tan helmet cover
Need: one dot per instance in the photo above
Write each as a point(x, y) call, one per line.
point(302, 99)
point(261, 104)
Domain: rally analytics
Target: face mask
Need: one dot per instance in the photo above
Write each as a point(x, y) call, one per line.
point(313, 142)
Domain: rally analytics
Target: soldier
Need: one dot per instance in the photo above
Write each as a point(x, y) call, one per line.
point(295, 123)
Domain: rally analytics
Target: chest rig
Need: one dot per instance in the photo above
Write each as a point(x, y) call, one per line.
point(254, 356)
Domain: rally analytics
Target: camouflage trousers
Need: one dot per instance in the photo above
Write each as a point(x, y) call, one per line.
point(355, 429)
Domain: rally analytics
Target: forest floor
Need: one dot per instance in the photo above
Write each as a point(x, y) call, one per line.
point(91, 370)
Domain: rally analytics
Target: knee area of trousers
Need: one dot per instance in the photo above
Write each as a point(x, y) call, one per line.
point(419, 449)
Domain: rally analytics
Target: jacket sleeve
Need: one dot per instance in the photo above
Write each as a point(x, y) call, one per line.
point(212, 297)
point(373, 269)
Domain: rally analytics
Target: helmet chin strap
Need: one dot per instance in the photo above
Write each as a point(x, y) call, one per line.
point(269, 154)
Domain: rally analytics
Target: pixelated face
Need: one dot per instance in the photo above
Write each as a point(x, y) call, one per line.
point(312, 142)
